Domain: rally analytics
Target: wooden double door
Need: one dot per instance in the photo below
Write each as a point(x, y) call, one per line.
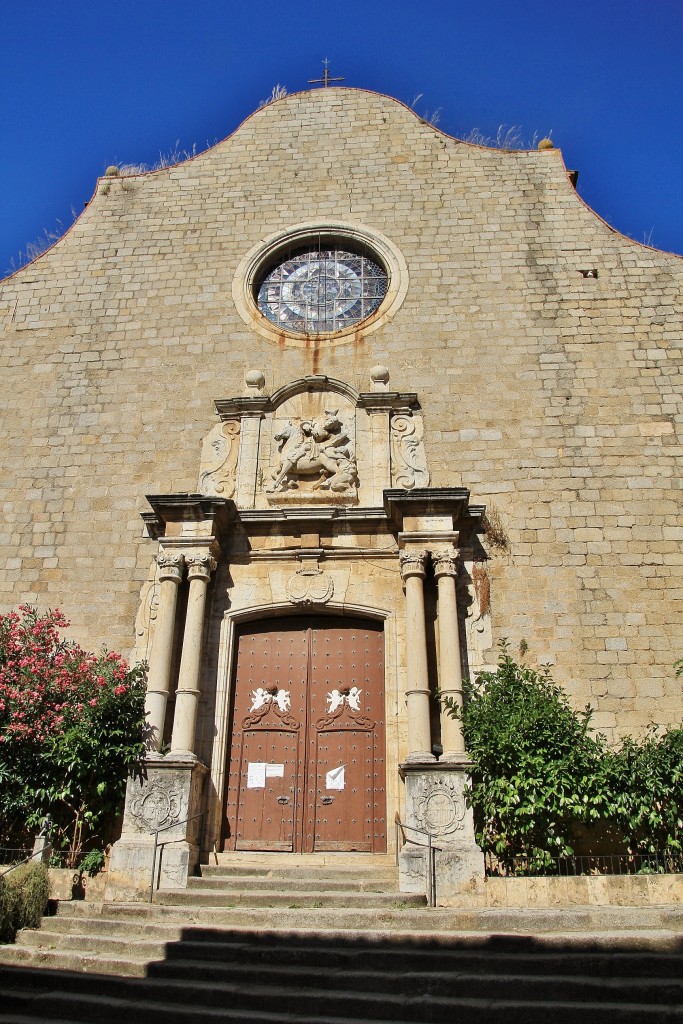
point(307, 761)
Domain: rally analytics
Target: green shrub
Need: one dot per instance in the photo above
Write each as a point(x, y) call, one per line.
point(539, 772)
point(6, 912)
point(71, 732)
point(535, 761)
point(24, 895)
point(92, 862)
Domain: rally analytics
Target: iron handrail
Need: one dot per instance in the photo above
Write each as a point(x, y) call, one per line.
point(431, 849)
point(157, 844)
point(27, 860)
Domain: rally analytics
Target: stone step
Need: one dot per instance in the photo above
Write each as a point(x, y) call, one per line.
point(99, 942)
point(580, 919)
point(316, 861)
point(272, 882)
point(117, 939)
point(377, 986)
point(311, 898)
point(125, 965)
point(242, 987)
point(103, 999)
point(211, 932)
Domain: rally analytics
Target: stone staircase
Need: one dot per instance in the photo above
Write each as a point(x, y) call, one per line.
point(256, 939)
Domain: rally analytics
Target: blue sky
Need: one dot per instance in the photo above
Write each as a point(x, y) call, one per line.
point(84, 85)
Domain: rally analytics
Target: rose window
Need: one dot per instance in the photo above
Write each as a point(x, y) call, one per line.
point(321, 291)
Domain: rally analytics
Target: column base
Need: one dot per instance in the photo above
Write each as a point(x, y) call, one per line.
point(420, 757)
point(169, 792)
point(435, 803)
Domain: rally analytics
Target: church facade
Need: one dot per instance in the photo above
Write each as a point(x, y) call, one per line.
point(311, 422)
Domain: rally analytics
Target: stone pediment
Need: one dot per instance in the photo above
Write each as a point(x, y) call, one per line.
point(315, 441)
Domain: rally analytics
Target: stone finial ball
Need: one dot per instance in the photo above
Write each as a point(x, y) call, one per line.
point(112, 171)
point(379, 374)
point(254, 379)
point(546, 144)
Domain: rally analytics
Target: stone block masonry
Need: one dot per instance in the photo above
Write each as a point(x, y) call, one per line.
point(553, 396)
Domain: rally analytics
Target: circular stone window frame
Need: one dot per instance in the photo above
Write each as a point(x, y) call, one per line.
point(263, 257)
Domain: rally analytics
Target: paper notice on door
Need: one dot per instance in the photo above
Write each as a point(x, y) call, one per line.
point(275, 771)
point(335, 778)
point(256, 775)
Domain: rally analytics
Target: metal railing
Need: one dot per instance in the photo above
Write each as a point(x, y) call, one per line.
point(38, 853)
point(585, 864)
point(429, 847)
point(160, 846)
point(10, 854)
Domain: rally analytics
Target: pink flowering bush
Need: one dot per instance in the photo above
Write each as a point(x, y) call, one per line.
point(71, 731)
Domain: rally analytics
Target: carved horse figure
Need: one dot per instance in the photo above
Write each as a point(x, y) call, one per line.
point(316, 447)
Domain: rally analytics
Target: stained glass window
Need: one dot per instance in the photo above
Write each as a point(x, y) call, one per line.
point(320, 291)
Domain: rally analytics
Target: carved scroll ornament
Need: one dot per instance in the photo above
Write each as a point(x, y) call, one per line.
point(219, 460)
point(408, 459)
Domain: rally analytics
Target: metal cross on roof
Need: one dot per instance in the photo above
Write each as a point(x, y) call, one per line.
point(326, 79)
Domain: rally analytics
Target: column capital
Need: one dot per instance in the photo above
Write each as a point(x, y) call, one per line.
point(170, 565)
point(445, 563)
point(412, 563)
point(200, 565)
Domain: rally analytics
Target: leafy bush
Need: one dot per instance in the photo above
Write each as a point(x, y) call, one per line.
point(24, 894)
point(71, 731)
point(92, 863)
point(6, 912)
point(645, 779)
point(539, 771)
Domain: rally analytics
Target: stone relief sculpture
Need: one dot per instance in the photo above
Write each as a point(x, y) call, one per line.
point(318, 451)
point(158, 805)
point(310, 586)
point(408, 459)
point(474, 595)
point(439, 804)
point(145, 619)
point(218, 466)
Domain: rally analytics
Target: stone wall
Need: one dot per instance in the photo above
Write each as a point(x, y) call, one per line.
point(554, 396)
point(579, 890)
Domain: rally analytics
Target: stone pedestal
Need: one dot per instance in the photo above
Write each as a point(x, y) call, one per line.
point(168, 794)
point(435, 803)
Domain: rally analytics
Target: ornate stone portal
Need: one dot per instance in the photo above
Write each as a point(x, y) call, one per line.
point(311, 499)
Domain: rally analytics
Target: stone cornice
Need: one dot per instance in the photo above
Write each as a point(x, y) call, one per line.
point(247, 405)
point(187, 508)
point(392, 401)
point(426, 501)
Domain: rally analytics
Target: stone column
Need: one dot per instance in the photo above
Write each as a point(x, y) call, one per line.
point(417, 686)
point(159, 676)
point(199, 569)
point(450, 670)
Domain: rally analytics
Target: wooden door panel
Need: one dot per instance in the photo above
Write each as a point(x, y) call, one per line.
point(347, 713)
point(343, 791)
point(267, 813)
point(308, 700)
point(272, 661)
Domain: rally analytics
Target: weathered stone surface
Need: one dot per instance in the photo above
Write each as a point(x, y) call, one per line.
point(495, 366)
